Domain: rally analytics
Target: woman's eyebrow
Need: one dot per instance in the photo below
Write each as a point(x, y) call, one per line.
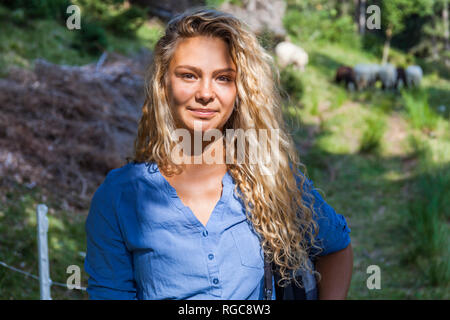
point(200, 71)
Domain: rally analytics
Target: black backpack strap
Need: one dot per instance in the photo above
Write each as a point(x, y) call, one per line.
point(279, 291)
point(268, 288)
point(291, 291)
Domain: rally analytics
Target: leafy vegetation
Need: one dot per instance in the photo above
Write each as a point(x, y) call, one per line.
point(418, 109)
point(372, 134)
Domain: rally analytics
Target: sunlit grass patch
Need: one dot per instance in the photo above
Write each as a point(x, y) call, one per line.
point(418, 109)
point(428, 219)
point(371, 139)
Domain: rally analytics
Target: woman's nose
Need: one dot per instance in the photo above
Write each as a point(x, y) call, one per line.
point(205, 93)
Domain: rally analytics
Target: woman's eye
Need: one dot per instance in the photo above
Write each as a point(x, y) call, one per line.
point(224, 78)
point(188, 75)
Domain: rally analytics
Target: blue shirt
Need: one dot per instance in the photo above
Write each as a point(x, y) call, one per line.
point(144, 243)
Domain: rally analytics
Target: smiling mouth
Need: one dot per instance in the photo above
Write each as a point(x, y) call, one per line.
point(203, 112)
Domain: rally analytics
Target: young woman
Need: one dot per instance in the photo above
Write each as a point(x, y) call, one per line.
point(161, 228)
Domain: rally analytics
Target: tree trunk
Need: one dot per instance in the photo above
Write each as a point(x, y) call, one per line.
point(387, 45)
point(445, 22)
point(344, 9)
point(434, 42)
point(446, 32)
point(362, 16)
point(355, 12)
point(434, 48)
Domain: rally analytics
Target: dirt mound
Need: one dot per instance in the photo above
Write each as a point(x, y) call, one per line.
point(64, 127)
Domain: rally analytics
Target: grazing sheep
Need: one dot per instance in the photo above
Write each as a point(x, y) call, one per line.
point(388, 76)
point(413, 76)
point(366, 75)
point(347, 75)
point(401, 78)
point(288, 53)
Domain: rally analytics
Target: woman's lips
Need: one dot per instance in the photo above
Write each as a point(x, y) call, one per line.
point(206, 113)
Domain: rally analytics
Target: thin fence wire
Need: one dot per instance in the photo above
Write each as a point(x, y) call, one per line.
point(4, 264)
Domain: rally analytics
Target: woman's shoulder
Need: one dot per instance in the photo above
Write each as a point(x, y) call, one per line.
point(128, 180)
point(132, 172)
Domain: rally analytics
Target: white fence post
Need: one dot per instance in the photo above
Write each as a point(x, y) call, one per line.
point(44, 274)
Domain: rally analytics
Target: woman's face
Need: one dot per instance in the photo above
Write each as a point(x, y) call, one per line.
point(201, 83)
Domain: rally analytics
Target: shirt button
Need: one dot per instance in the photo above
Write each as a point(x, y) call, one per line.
point(210, 256)
point(205, 233)
point(216, 281)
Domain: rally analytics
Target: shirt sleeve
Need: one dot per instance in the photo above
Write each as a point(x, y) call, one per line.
point(333, 231)
point(108, 262)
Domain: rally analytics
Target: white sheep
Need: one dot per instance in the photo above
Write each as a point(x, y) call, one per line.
point(366, 75)
point(413, 76)
point(288, 53)
point(388, 76)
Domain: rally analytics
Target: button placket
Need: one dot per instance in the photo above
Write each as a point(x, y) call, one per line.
point(211, 262)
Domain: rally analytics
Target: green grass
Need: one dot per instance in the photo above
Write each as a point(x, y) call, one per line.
point(427, 219)
point(146, 37)
point(18, 244)
point(419, 112)
point(371, 139)
point(21, 43)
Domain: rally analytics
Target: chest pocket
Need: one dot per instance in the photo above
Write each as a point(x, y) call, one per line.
point(248, 245)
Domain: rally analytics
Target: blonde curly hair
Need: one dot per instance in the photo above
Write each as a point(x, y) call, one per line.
point(274, 203)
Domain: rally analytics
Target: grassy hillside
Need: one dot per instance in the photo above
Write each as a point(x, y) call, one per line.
point(375, 155)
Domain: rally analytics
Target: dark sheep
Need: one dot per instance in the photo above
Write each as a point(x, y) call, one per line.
point(347, 75)
point(401, 78)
